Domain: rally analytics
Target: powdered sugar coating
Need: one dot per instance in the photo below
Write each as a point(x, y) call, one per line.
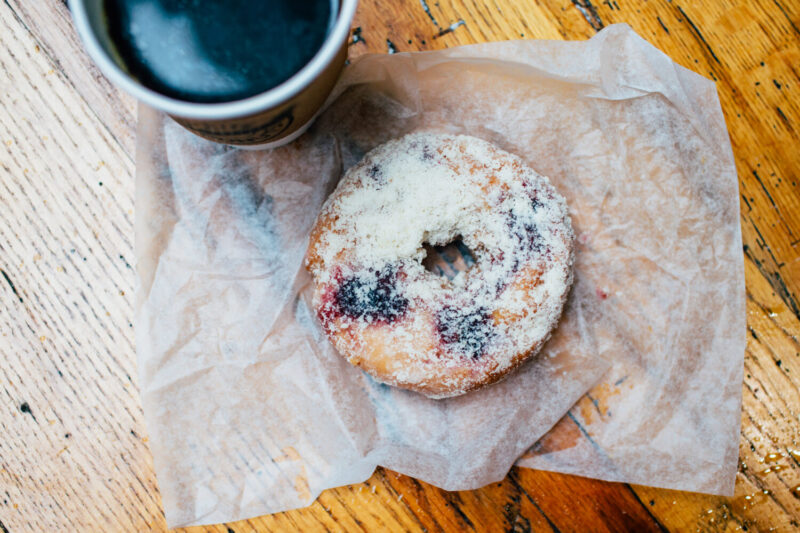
point(409, 327)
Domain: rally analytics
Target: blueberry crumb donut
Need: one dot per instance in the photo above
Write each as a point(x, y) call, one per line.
point(409, 327)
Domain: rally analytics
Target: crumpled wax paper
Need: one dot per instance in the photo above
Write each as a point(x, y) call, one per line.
point(250, 410)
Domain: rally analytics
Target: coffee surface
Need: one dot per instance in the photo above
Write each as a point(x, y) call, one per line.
point(216, 50)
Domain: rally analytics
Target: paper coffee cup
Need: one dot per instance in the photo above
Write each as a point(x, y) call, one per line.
point(269, 119)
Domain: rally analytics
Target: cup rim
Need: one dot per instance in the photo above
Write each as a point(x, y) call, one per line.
point(221, 110)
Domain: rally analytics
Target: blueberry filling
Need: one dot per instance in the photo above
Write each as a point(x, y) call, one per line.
point(525, 233)
point(376, 173)
point(372, 296)
point(530, 237)
point(468, 331)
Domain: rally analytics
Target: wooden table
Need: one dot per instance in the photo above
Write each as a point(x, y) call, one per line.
point(73, 447)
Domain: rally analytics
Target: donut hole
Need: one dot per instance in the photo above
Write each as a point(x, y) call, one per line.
point(448, 260)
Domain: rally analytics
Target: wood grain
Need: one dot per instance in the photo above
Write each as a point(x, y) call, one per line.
point(73, 452)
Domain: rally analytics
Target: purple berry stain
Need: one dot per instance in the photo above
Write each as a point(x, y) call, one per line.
point(468, 331)
point(525, 233)
point(371, 296)
point(376, 173)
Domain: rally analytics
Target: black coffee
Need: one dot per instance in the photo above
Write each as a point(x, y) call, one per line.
point(216, 50)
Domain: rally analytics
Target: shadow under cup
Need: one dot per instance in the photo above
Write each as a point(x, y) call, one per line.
point(269, 119)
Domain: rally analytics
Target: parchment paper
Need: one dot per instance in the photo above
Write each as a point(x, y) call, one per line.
point(249, 409)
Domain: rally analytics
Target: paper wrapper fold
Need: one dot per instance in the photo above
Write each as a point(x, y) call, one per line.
point(250, 410)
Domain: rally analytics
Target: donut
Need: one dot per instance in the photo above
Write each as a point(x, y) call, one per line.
point(414, 329)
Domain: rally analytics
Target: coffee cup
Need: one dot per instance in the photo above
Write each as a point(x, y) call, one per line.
point(271, 118)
